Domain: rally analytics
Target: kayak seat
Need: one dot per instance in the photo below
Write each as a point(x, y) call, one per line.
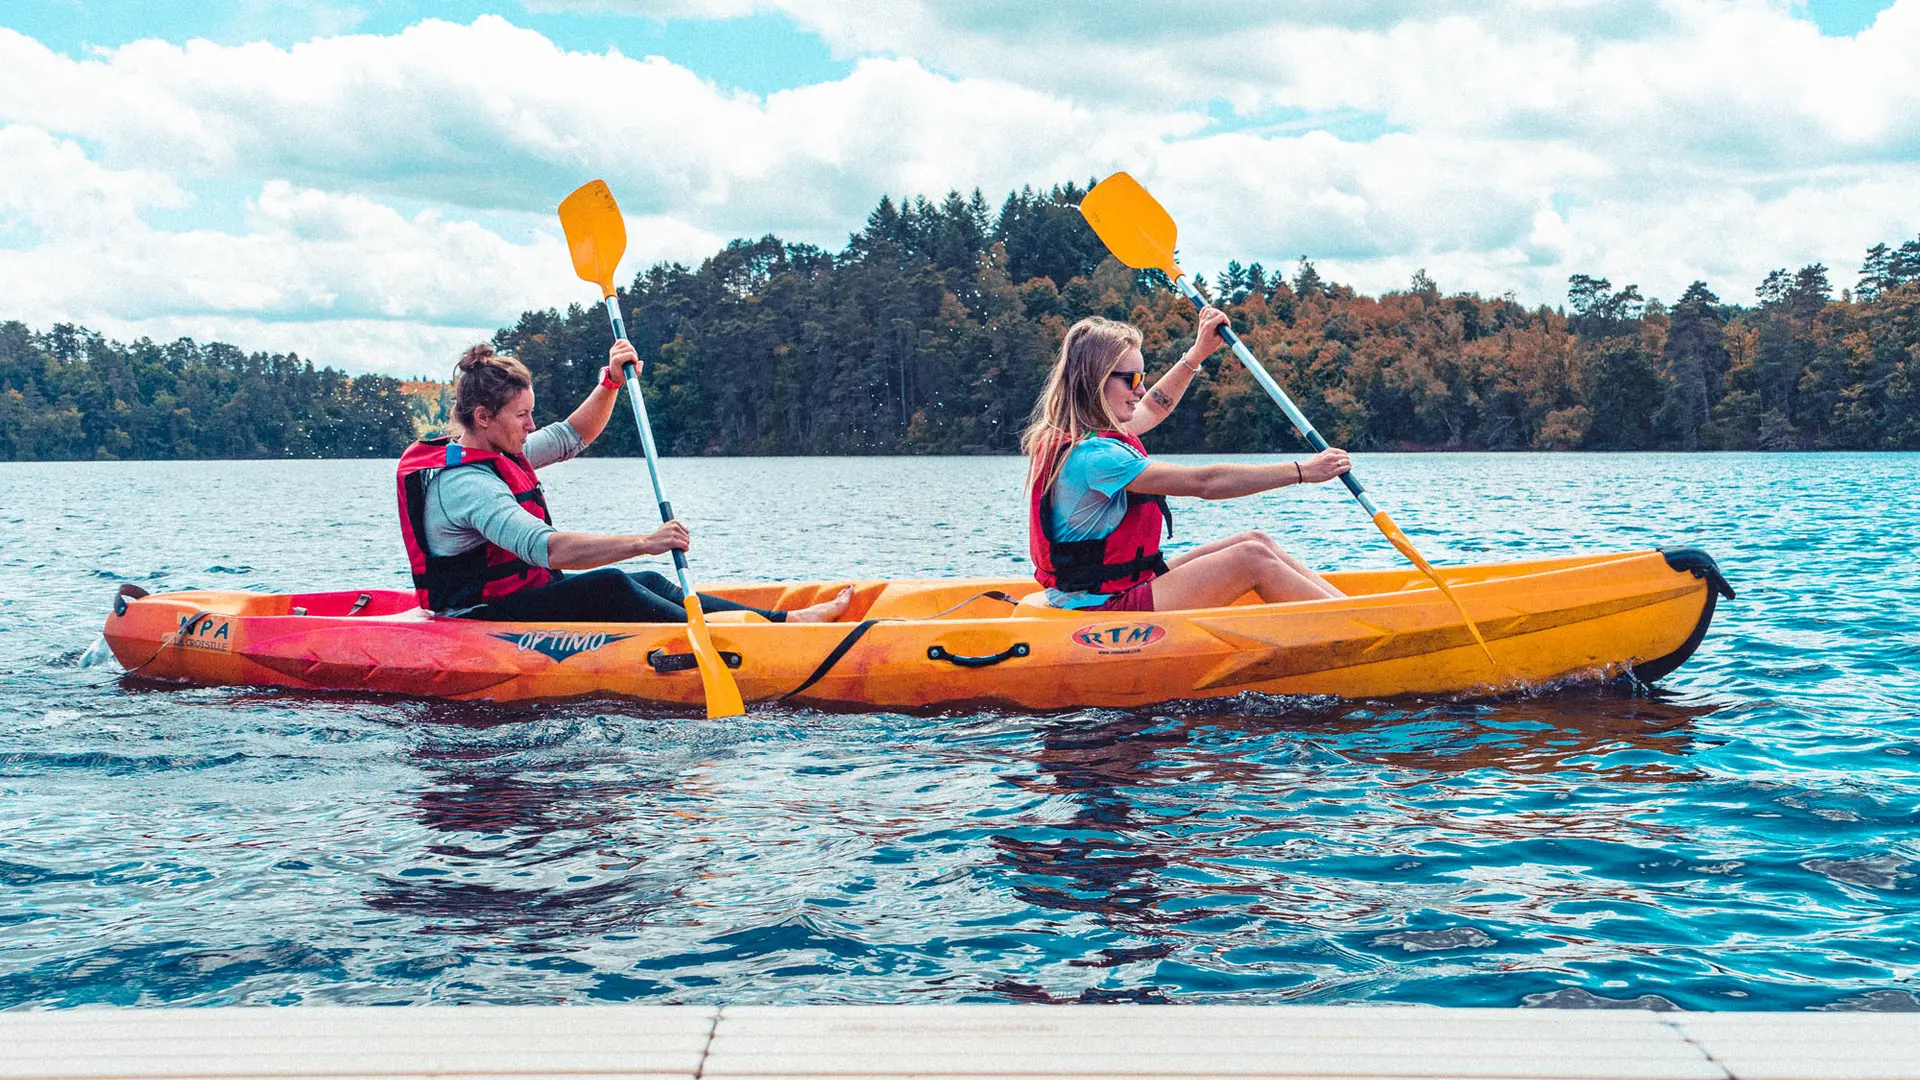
point(1034, 606)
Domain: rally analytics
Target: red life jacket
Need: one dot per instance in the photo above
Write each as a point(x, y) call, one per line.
point(487, 572)
point(1114, 563)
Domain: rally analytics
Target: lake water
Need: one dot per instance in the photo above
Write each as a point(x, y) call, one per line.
point(1743, 839)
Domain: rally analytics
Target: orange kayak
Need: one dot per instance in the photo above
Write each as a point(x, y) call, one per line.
point(960, 644)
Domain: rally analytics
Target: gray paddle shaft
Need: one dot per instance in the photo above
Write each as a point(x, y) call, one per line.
point(1300, 422)
point(646, 442)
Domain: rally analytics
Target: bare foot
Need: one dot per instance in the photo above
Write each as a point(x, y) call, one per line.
point(826, 610)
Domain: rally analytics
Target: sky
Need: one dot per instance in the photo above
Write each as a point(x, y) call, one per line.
point(372, 183)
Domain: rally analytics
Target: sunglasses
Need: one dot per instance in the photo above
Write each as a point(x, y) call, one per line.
point(1135, 379)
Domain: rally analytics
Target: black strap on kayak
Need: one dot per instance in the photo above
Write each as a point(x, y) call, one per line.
point(859, 631)
point(840, 650)
point(187, 626)
point(990, 594)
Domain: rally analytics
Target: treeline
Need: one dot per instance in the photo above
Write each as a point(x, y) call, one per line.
point(69, 394)
point(931, 332)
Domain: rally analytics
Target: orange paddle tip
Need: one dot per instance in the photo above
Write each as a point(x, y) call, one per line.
point(716, 682)
point(596, 233)
point(1132, 223)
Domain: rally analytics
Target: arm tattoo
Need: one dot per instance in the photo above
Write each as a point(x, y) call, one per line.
point(1160, 397)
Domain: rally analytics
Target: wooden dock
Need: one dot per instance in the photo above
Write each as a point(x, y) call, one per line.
point(766, 1042)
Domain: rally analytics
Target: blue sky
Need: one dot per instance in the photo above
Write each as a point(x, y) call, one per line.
point(756, 52)
point(759, 52)
point(371, 182)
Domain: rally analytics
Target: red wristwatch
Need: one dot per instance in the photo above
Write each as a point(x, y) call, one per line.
point(609, 381)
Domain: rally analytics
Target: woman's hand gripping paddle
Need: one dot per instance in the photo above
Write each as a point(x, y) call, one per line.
point(1140, 233)
point(597, 237)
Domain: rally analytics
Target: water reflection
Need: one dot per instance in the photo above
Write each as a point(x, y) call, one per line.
point(1124, 842)
point(1601, 730)
point(532, 842)
point(1108, 859)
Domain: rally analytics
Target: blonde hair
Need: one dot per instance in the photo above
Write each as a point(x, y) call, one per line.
point(1074, 403)
point(485, 379)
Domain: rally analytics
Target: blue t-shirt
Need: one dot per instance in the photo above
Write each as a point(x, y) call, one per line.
point(1089, 499)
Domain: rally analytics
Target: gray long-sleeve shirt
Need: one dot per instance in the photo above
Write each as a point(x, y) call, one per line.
point(471, 506)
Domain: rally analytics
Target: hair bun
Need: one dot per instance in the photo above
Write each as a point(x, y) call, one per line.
point(475, 356)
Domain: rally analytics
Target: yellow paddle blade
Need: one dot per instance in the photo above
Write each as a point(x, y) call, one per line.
point(723, 694)
point(1135, 227)
point(1399, 540)
point(596, 233)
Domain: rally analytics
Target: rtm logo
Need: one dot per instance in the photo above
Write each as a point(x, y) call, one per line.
point(202, 632)
point(561, 644)
point(1119, 637)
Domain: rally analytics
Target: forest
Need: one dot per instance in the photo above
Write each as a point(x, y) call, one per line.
point(68, 394)
point(931, 331)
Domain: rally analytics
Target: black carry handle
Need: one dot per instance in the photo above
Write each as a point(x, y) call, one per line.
point(126, 593)
point(936, 652)
point(666, 663)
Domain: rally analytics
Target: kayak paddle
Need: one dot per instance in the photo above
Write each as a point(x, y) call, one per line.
point(597, 237)
point(1141, 234)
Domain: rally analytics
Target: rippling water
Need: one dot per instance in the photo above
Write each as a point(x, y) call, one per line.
point(1745, 838)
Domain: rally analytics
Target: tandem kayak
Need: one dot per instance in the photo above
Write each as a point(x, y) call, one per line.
point(947, 644)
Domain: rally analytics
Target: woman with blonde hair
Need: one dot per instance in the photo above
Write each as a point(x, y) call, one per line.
point(1097, 503)
point(474, 518)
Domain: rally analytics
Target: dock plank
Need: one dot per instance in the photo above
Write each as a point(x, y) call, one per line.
point(962, 1042)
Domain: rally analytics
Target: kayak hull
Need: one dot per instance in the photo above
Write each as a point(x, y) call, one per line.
point(952, 644)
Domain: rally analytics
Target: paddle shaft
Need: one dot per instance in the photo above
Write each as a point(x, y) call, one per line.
point(1300, 422)
point(646, 442)
point(1305, 427)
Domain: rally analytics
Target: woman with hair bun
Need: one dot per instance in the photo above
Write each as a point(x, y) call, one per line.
point(1097, 503)
point(475, 523)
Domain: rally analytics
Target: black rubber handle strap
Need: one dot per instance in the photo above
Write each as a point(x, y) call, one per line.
point(939, 652)
point(665, 663)
point(127, 593)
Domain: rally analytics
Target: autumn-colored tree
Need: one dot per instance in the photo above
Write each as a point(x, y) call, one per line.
point(931, 330)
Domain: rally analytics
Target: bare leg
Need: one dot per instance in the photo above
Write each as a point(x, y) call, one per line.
point(1207, 549)
point(1299, 567)
point(1223, 576)
point(1255, 536)
point(825, 610)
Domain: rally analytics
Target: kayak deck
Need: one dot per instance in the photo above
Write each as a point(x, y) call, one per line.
point(955, 643)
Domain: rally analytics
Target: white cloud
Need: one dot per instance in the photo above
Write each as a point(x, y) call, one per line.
point(491, 116)
point(1741, 77)
point(390, 347)
point(1523, 140)
point(482, 120)
point(52, 184)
